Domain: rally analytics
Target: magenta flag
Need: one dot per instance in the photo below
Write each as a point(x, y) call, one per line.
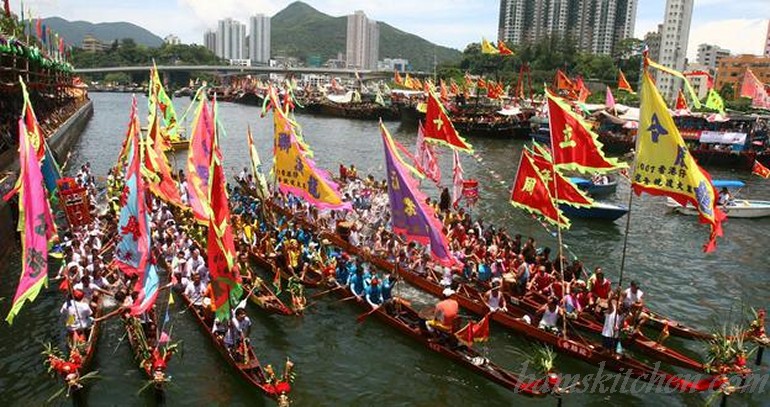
point(609, 100)
point(35, 224)
point(410, 216)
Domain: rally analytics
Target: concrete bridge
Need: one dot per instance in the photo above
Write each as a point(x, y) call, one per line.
point(230, 69)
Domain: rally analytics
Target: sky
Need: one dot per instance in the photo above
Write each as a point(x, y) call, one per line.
point(738, 25)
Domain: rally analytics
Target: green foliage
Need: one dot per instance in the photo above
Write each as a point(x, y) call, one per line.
point(727, 91)
point(128, 53)
point(117, 78)
point(301, 31)
point(546, 56)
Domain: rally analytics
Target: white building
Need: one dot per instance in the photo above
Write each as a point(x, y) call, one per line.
point(363, 42)
point(709, 56)
point(597, 26)
point(259, 39)
point(172, 39)
point(240, 62)
point(393, 64)
point(697, 75)
point(673, 45)
point(210, 41)
point(230, 39)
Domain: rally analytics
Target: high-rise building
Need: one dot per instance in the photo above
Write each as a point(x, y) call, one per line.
point(231, 39)
point(709, 56)
point(259, 39)
point(363, 42)
point(673, 44)
point(652, 40)
point(767, 40)
point(597, 26)
point(210, 41)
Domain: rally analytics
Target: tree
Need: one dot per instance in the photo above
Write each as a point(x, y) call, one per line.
point(118, 78)
point(727, 92)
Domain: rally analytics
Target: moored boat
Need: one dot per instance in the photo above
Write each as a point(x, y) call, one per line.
point(733, 208)
point(594, 189)
point(599, 211)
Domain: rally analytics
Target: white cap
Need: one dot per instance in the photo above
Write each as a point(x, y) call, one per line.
point(448, 292)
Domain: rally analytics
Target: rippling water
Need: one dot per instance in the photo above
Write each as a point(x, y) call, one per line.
point(340, 362)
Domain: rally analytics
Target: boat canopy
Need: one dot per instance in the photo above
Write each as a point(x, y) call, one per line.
point(728, 183)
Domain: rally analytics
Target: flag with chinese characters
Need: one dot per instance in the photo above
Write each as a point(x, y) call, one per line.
point(665, 167)
point(474, 332)
point(560, 188)
point(410, 216)
point(295, 171)
point(133, 247)
point(158, 170)
point(530, 193)
point(573, 145)
point(438, 127)
point(198, 160)
point(225, 279)
point(35, 224)
point(426, 158)
point(759, 169)
point(623, 83)
point(49, 166)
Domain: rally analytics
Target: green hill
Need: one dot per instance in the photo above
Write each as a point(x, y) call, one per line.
point(74, 31)
point(301, 31)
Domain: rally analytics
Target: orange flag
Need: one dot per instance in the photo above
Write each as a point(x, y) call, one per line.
point(481, 83)
point(623, 83)
point(574, 146)
point(397, 78)
point(681, 103)
point(444, 92)
point(759, 169)
point(563, 82)
point(530, 193)
point(583, 92)
point(453, 87)
point(438, 127)
point(160, 181)
point(504, 50)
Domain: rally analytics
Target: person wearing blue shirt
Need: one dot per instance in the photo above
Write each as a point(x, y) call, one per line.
point(374, 293)
point(356, 283)
point(386, 287)
point(342, 273)
point(485, 273)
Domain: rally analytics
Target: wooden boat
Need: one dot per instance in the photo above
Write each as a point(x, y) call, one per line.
point(143, 343)
point(358, 110)
point(267, 300)
point(311, 279)
point(251, 371)
point(249, 98)
point(595, 190)
point(600, 210)
point(572, 345)
point(405, 319)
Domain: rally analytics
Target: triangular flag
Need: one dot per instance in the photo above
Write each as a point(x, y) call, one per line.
point(487, 47)
point(530, 193)
point(609, 99)
point(681, 103)
point(623, 83)
point(439, 128)
point(759, 169)
point(503, 49)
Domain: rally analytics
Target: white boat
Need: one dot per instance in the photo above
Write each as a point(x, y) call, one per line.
point(739, 208)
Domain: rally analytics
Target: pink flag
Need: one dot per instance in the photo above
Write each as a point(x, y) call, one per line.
point(425, 157)
point(164, 338)
point(751, 87)
point(35, 223)
point(457, 180)
point(609, 101)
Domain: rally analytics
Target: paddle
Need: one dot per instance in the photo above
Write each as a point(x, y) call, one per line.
point(347, 298)
point(363, 316)
point(316, 295)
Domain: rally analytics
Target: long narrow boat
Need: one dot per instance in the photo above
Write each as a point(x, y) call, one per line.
point(575, 345)
point(251, 371)
point(143, 342)
point(311, 279)
point(267, 300)
point(404, 318)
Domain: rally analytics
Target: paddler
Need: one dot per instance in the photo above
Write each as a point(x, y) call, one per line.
point(77, 313)
point(238, 332)
point(445, 313)
point(494, 299)
point(599, 289)
point(374, 293)
point(610, 330)
point(550, 315)
point(633, 304)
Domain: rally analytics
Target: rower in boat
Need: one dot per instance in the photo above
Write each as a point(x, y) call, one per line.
point(237, 335)
point(633, 305)
point(356, 282)
point(445, 316)
point(550, 314)
point(196, 291)
point(374, 293)
point(541, 281)
point(78, 314)
point(611, 328)
point(599, 289)
point(494, 299)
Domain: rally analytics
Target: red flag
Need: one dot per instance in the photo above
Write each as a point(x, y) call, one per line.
point(504, 50)
point(751, 87)
point(759, 169)
point(453, 87)
point(481, 83)
point(681, 102)
point(425, 157)
point(444, 92)
point(559, 186)
point(563, 82)
point(474, 332)
point(582, 90)
point(574, 146)
point(39, 28)
point(623, 83)
point(439, 128)
point(531, 193)
point(397, 78)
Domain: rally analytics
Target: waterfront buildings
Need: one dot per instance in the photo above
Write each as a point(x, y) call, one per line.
point(210, 41)
point(363, 42)
point(93, 44)
point(259, 39)
point(652, 39)
point(172, 39)
point(710, 55)
point(674, 36)
point(230, 39)
point(596, 25)
point(731, 69)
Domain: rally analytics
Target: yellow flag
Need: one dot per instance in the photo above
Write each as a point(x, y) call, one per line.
point(714, 101)
point(665, 167)
point(487, 47)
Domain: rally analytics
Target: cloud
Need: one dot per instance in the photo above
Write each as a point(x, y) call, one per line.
point(740, 36)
